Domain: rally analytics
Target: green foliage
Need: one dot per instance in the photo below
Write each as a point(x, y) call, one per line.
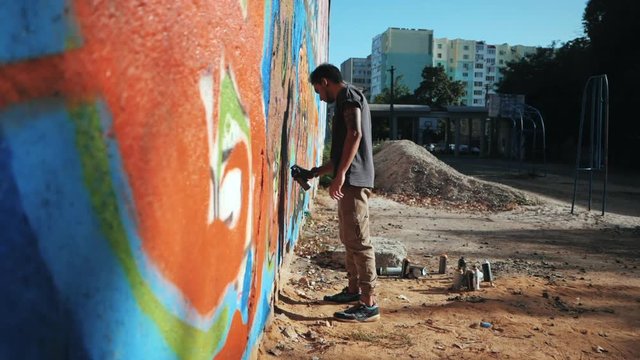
point(401, 94)
point(612, 27)
point(436, 89)
point(553, 79)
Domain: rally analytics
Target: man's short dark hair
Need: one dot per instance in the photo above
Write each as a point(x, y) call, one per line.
point(327, 71)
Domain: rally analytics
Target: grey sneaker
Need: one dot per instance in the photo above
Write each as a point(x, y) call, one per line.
point(343, 297)
point(359, 313)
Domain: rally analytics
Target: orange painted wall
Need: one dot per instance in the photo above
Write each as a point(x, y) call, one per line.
point(183, 118)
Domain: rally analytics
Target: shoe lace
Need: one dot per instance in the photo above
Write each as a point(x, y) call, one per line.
point(356, 309)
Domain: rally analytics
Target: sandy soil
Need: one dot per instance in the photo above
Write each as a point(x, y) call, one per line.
point(566, 287)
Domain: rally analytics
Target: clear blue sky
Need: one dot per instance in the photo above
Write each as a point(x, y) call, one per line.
point(353, 23)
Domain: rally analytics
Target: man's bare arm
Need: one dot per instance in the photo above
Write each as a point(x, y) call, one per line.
point(326, 168)
point(353, 120)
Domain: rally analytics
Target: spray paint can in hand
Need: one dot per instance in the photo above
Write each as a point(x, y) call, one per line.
point(486, 269)
point(443, 264)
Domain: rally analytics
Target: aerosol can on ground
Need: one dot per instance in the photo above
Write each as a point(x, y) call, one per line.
point(486, 269)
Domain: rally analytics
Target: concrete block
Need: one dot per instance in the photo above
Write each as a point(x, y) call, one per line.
point(389, 252)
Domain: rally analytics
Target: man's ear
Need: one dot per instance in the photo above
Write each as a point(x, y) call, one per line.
point(325, 83)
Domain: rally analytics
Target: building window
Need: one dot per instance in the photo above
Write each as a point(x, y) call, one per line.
point(451, 61)
point(478, 74)
point(477, 101)
point(439, 46)
point(439, 56)
point(477, 92)
point(477, 83)
point(491, 51)
point(465, 74)
point(466, 47)
point(479, 66)
point(465, 66)
point(491, 78)
point(450, 77)
point(479, 57)
point(465, 57)
point(501, 62)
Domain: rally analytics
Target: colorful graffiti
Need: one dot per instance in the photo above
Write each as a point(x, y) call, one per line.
point(145, 200)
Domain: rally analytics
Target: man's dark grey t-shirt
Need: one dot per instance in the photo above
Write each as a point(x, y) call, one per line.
point(361, 172)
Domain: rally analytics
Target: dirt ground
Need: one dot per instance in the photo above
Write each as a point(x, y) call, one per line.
point(566, 286)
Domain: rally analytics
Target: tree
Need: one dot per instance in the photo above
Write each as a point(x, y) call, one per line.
point(436, 89)
point(612, 27)
point(552, 81)
point(401, 93)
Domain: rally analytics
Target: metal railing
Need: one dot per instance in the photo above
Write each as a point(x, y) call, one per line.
point(595, 96)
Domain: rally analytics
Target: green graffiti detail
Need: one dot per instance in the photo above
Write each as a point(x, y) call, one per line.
point(185, 340)
point(233, 124)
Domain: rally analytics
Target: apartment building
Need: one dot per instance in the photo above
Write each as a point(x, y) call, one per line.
point(357, 71)
point(476, 64)
point(407, 50)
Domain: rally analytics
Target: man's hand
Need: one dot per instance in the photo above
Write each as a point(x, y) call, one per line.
point(335, 190)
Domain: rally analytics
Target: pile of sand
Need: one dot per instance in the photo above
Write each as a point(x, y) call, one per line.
point(411, 172)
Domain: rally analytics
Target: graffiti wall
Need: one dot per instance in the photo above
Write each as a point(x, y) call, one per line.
point(145, 199)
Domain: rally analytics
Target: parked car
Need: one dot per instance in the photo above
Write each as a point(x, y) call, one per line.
point(434, 147)
point(464, 148)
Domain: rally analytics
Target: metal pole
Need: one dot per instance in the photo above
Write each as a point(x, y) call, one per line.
point(606, 143)
point(533, 144)
point(521, 143)
point(470, 137)
point(579, 150)
point(394, 125)
point(592, 142)
point(544, 143)
point(457, 145)
point(598, 128)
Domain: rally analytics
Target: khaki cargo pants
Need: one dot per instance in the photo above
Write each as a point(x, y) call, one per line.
point(353, 215)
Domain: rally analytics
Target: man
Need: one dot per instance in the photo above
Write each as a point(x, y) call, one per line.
point(352, 168)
